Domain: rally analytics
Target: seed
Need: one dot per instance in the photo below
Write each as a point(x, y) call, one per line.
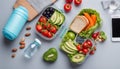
point(28, 28)
point(22, 43)
point(14, 50)
point(22, 47)
point(27, 34)
point(13, 55)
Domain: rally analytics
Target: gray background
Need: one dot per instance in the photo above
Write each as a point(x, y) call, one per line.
point(107, 55)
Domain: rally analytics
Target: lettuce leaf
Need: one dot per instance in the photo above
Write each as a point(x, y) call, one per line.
point(87, 33)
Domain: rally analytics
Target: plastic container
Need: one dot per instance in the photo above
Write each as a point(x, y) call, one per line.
point(15, 23)
point(58, 31)
point(32, 48)
point(66, 38)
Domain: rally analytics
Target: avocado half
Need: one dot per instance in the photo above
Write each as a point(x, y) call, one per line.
point(78, 58)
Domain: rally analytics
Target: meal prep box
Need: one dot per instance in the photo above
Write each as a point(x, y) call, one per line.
point(55, 18)
point(73, 42)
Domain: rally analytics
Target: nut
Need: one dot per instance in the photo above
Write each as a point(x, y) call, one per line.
point(28, 28)
point(14, 50)
point(94, 48)
point(22, 47)
point(27, 34)
point(22, 43)
point(22, 39)
point(13, 55)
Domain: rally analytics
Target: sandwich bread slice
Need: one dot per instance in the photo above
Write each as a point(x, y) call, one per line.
point(79, 23)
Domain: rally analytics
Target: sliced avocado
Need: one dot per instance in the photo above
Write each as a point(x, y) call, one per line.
point(69, 49)
point(71, 45)
point(78, 58)
point(54, 17)
point(62, 18)
point(65, 50)
point(58, 18)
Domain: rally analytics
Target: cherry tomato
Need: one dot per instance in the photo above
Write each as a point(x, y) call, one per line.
point(85, 51)
point(45, 32)
point(43, 19)
point(85, 45)
point(50, 35)
point(48, 25)
point(92, 52)
point(95, 35)
point(39, 28)
point(44, 26)
point(53, 29)
point(89, 43)
point(78, 47)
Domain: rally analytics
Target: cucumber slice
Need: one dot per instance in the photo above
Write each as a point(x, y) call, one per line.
point(65, 50)
point(78, 58)
point(70, 45)
point(58, 18)
point(54, 17)
point(62, 18)
point(69, 49)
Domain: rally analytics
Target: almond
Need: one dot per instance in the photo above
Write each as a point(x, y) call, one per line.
point(13, 55)
point(28, 28)
point(27, 34)
point(14, 50)
point(22, 39)
point(22, 47)
point(22, 43)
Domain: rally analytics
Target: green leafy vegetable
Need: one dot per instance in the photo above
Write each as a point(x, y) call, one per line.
point(87, 33)
point(103, 36)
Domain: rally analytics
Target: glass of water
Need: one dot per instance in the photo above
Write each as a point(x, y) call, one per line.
point(113, 6)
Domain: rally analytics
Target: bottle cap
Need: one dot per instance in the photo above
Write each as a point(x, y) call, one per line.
point(38, 41)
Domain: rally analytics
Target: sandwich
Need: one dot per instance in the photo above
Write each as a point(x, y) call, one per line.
point(78, 24)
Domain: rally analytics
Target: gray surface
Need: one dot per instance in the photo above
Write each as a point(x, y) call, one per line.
point(107, 55)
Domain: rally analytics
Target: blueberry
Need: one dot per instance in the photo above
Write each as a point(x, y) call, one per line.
point(48, 12)
point(80, 40)
point(44, 13)
point(52, 9)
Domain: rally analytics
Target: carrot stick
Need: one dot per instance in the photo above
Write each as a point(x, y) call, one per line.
point(91, 22)
point(94, 18)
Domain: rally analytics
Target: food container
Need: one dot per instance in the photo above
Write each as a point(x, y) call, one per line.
point(51, 18)
point(79, 47)
point(75, 42)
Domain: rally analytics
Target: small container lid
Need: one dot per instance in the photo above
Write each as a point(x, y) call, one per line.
point(38, 41)
point(22, 11)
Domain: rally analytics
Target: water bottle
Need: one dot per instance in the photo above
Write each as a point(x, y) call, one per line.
point(32, 48)
point(15, 23)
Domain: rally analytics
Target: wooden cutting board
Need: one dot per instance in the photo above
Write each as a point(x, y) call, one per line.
point(32, 12)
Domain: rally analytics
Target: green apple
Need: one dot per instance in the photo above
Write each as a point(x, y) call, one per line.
point(71, 35)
